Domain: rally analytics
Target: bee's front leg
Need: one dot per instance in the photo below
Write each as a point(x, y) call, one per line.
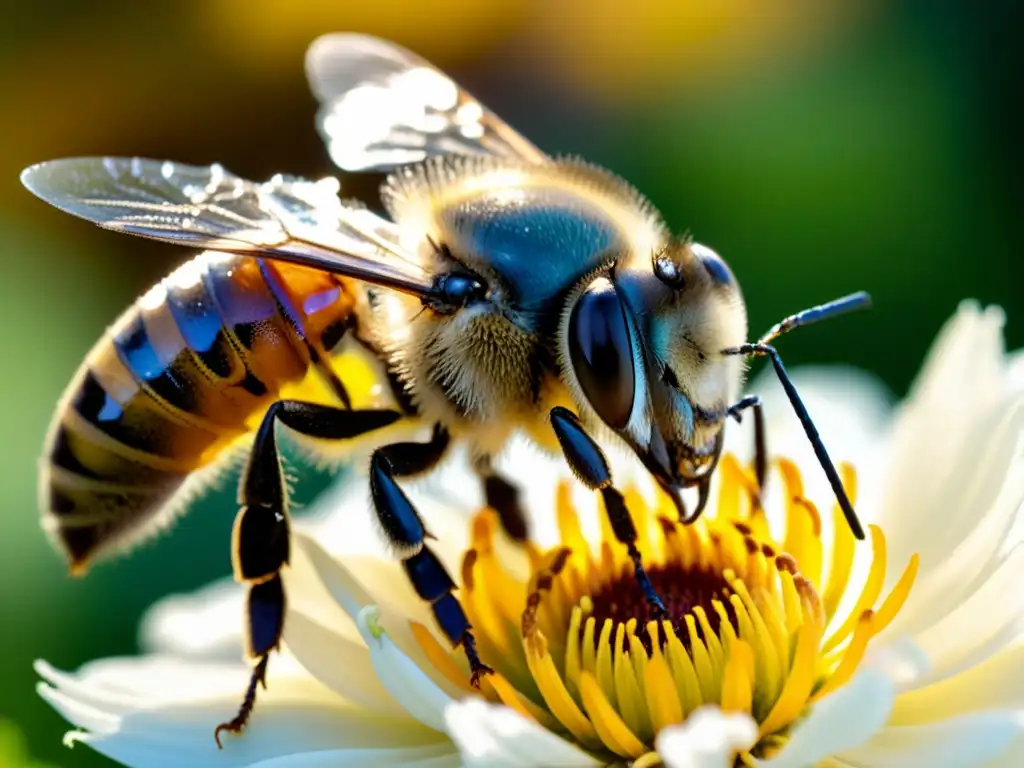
point(261, 540)
point(588, 463)
point(753, 402)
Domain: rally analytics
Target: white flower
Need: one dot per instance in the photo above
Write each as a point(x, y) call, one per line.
point(905, 653)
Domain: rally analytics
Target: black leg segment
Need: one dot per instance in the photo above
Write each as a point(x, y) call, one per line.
point(261, 542)
point(405, 530)
point(753, 402)
point(503, 497)
point(589, 464)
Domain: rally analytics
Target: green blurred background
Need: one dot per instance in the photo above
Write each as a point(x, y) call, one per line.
point(820, 147)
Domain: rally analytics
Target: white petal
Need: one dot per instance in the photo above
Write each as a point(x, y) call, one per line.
point(495, 736)
point(977, 628)
point(1011, 757)
point(206, 623)
point(157, 711)
point(403, 678)
point(440, 756)
point(961, 742)
point(840, 721)
point(333, 594)
point(961, 386)
point(900, 659)
point(996, 682)
point(979, 514)
point(709, 738)
point(1015, 371)
point(342, 664)
point(967, 355)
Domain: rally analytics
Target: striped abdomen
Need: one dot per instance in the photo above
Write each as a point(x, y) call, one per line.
point(178, 378)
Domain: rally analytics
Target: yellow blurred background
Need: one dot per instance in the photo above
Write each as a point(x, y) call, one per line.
point(820, 147)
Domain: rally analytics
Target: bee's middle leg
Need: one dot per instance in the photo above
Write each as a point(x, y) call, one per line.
point(261, 539)
point(503, 497)
point(405, 530)
point(588, 463)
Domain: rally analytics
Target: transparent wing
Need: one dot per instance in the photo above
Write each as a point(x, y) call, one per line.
point(208, 207)
point(384, 106)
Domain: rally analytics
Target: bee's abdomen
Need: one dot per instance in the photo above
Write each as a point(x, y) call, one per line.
point(174, 382)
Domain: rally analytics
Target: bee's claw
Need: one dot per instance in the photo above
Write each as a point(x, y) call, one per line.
point(234, 726)
point(479, 671)
point(238, 723)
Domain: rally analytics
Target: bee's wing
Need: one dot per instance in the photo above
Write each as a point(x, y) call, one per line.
point(208, 207)
point(383, 106)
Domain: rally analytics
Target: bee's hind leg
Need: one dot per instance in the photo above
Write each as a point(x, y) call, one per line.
point(405, 530)
point(261, 540)
point(588, 463)
point(503, 497)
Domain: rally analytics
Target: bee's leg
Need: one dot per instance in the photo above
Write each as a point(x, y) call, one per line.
point(404, 529)
point(503, 497)
point(753, 402)
point(589, 464)
point(260, 542)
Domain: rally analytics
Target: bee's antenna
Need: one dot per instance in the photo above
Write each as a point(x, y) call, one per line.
point(762, 348)
point(859, 300)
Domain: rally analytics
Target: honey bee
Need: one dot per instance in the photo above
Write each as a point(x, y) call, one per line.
point(507, 291)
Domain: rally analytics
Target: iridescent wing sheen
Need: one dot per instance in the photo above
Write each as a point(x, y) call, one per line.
point(209, 207)
point(383, 107)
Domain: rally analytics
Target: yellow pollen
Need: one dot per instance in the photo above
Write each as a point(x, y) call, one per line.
point(752, 620)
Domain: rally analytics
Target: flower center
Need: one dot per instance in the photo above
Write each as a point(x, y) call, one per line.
point(753, 623)
point(681, 590)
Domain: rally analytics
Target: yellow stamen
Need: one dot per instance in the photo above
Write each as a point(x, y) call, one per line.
point(556, 696)
point(803, 525)
point(439, 657)
point(768, 671)
point(606, 720)
point(650, 760)
point(505, 692)
point(897, 596)
point(577, 649)
point(799, 683)
point(638, 655)
point(868, 595)
point(631, 701)
point(711, 640)
point(842, 562)
point(738, 683)
point(852, 657)
point(662, 700)
point(604, 675)
point(683, 673)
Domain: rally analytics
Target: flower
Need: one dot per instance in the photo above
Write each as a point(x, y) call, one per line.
point(787, 649)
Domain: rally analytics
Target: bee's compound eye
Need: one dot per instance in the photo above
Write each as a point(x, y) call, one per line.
point(716, 268)
point(601, 352)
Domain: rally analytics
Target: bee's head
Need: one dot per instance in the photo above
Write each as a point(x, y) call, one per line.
point(641, 348)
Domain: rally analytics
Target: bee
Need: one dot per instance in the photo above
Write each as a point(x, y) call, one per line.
point(507, 291)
